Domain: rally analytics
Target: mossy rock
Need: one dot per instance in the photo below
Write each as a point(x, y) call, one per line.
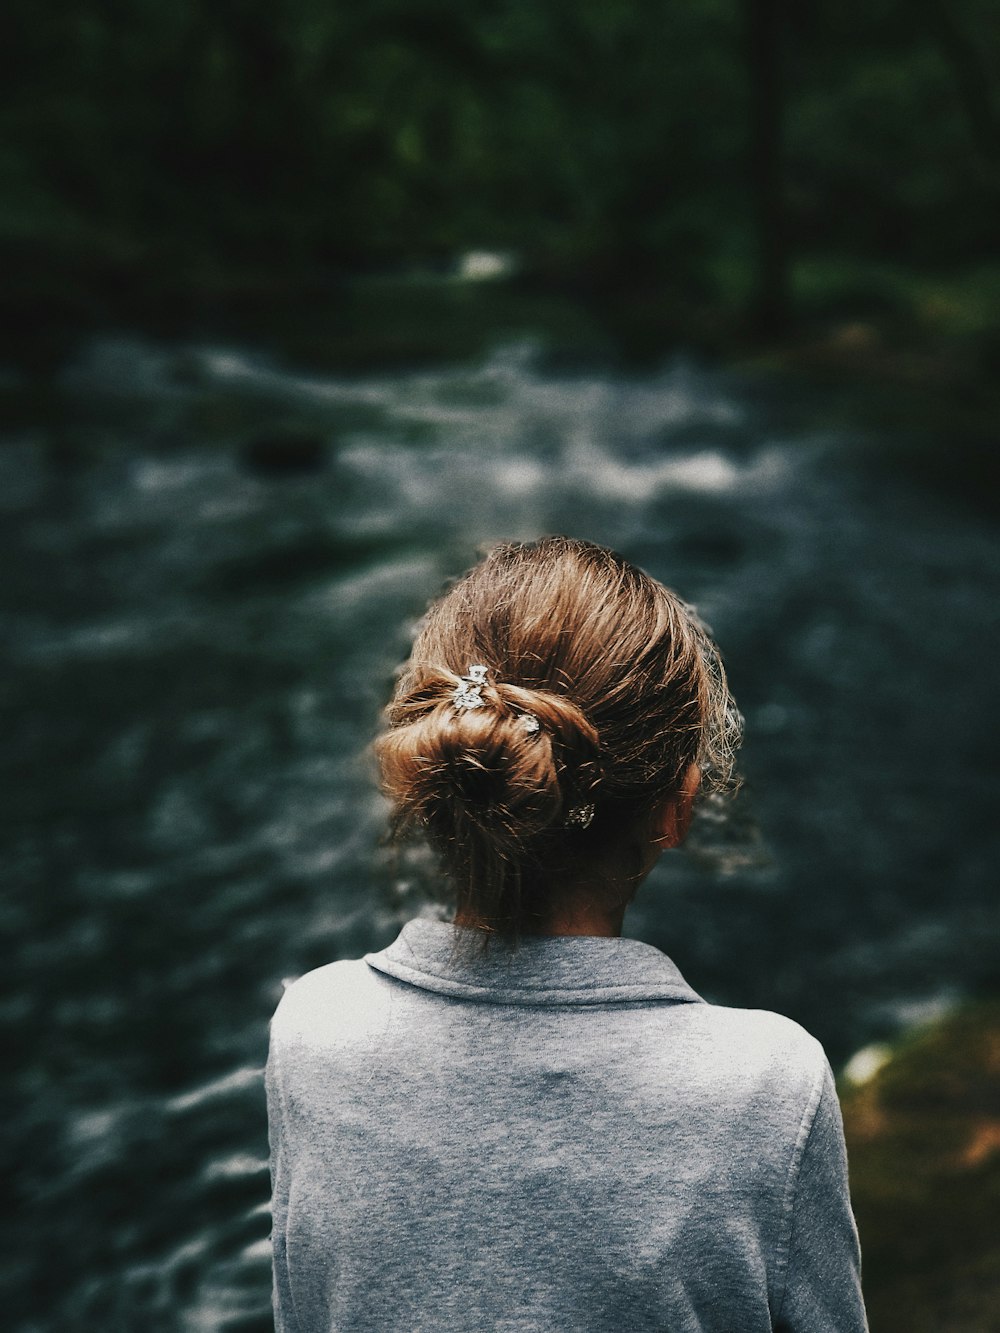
point(924, 1141)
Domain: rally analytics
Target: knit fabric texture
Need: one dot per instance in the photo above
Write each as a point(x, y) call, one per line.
point(562, 1137)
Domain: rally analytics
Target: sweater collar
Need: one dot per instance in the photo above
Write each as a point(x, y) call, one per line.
point(542, 970)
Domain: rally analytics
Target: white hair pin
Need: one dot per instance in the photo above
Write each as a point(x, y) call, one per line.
point(470, 693)
point(530, 724)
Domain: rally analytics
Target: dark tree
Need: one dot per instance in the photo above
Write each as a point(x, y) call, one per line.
point(769, 303)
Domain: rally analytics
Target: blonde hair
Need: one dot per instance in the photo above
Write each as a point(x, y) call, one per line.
point(628, 690)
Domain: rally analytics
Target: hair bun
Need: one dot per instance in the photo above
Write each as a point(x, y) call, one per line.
point(511, 763)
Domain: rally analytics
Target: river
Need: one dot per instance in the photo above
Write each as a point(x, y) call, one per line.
point(198, 642)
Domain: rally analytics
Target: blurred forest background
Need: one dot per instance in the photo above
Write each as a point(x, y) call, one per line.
point(300, 303)
point(709, 170)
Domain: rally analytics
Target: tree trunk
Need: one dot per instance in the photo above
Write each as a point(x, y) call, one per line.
point(972, 77)
point(769, 302)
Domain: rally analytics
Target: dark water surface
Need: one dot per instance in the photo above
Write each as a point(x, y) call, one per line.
point(197, 649)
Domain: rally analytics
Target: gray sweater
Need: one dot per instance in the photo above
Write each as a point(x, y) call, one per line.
point(562, 1138)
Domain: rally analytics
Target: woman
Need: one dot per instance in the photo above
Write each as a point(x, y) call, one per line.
point(521, 1120)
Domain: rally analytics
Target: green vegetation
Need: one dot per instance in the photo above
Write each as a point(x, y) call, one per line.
point(924, 1143)
point(718, 171)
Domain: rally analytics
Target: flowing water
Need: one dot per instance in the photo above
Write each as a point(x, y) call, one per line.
point(197, 646)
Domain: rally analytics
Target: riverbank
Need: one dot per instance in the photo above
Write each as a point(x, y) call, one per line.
point(905, 365)
point(923, 1135)
point(846, 315)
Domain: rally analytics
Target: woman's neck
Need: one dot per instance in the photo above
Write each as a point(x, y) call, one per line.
point(577, 918)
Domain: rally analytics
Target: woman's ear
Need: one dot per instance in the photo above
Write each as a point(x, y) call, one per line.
point(672, 816)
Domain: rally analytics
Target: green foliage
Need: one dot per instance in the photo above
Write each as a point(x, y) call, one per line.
point(924, 1143)
point(605, 141)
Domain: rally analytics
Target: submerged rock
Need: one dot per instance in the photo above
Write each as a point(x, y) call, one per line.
point(284, 450)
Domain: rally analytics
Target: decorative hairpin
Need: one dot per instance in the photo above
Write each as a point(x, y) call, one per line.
point(580, 816)
point(530, 724)
point(470, 693)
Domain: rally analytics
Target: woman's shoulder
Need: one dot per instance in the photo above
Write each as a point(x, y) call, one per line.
point(756, 1056)
point(758, 1033)
point(334, 998)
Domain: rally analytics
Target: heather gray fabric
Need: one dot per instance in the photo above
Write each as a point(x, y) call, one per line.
point(566, 1138)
